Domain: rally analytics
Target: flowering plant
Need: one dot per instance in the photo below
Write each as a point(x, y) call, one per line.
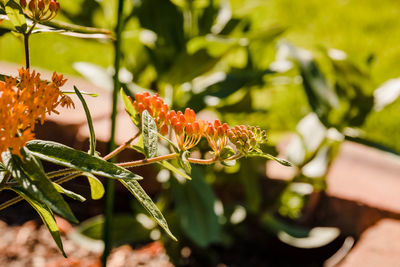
point(26, 99)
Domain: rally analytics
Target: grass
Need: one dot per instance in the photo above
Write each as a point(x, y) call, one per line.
point(358, 27)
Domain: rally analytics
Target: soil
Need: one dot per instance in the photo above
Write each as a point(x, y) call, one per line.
point(32, 245)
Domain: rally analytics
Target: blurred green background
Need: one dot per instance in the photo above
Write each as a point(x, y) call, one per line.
point(173, 48)
point(361, 28)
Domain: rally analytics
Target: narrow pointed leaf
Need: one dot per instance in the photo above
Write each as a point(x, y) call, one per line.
point(92, 148)
point(68, 193)
point(135, 188)
point(82, 93)
point(150, 139)
point(69, 157)
point(96, 187)
point(32, 178)
point(133, 114)
point(46, 215)
point(268, 156)
point(194, 204)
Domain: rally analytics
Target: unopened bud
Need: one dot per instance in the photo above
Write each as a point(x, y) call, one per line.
point(54, 6)
point(182, 118)
point(41, 5)
point(22, 3)
point(164, 129)
point(178, 128)
point(217, 123)
point(190, 116)
point(189, 129)
point(32, 5)
point(220, 131)
point(196, 127)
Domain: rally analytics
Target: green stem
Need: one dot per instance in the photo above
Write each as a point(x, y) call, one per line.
point(110, 183)
point(60, 173)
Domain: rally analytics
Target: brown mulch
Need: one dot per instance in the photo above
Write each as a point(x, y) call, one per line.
point(32, 245)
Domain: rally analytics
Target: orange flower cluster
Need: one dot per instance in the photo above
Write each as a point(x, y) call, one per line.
point(23, 101)
point(188, 130)
point(40, 10)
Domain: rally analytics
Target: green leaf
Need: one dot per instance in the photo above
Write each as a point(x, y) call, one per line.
point(183, 71)
point(3, 172)
point(172, 168)
point(32, 178)
point(46, 215)
point(321, 96)
point(268, 156)
point(226, 153)
point(68, 193)
point(300, 237)
point(184, 162)
point(82, 92)
point(126, 229)
point(150, 139)
point(194, 202)
point(135, 188)
point(69, 157)
point(133, 114)
point(96, 187)
point(16, 16)
point(92, 148)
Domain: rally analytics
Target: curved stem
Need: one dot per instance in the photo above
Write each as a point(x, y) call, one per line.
point(19, 198)
point(142, 162)
point(10, 202)
point(202, 161)
point(120, 148)
point(60, 172)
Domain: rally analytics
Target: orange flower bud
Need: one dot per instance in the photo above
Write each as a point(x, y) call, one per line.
point(147, 101)
point(22, 3)
point(164, 129)
point(225, 126)
point(189, 129)
point(165, 108)
point(178, 127)
point(41, 5)
point(158, 104)
point(172, 114)
point(217, 123)
point(32, 5)
point(140, 108)
point(210, 129)
point(220, 131)
point(196, 127)
point(182, 118)
point(190, 116)
point(174, 120)
point(162, 115)
point(139, 97)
